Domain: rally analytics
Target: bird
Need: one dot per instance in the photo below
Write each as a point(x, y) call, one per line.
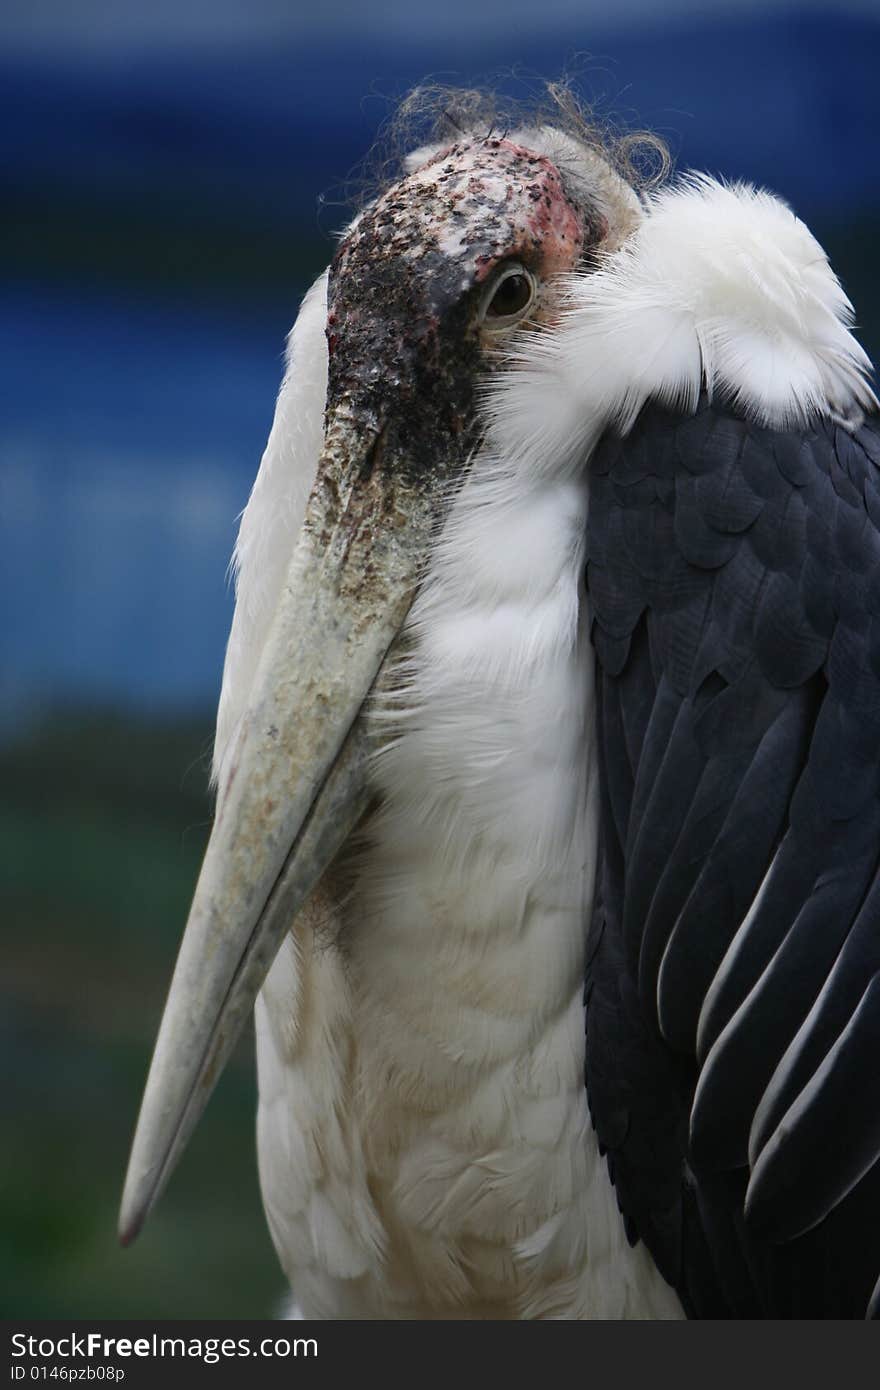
point(548, 816)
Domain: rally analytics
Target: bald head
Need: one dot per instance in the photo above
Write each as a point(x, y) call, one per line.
point(445, 264)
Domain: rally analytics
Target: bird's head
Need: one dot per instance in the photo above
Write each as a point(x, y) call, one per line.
point(438, 272)
point(428, 290)
point(431, 281)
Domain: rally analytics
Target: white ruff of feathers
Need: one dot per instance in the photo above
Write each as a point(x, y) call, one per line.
point(424, 1142)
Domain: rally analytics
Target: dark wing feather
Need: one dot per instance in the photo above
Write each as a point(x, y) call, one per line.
point(733, 979)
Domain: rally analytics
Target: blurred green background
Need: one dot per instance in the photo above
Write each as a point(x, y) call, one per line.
point(104, 820)
point(171, 176)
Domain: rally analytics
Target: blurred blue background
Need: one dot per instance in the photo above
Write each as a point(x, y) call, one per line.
point(171, 175)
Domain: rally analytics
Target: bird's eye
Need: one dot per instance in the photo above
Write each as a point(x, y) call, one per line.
point(509, 297)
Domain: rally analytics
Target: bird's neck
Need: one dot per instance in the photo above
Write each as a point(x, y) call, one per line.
point(481, 863)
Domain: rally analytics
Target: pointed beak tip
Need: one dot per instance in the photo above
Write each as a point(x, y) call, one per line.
point(132, 1216)
point(128, 1233)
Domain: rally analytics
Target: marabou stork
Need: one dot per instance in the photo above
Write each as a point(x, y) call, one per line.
point(551, 711)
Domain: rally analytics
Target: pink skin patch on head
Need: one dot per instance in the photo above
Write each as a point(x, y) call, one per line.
point(545, 218)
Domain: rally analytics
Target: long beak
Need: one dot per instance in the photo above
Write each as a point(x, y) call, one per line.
point(297, 784)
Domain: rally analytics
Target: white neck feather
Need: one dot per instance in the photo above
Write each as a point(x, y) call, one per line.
point(720, 288)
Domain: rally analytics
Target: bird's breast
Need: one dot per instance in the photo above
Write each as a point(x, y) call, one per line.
point(424, 1139)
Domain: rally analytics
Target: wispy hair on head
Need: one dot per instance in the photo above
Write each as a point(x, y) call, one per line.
point(435, 113)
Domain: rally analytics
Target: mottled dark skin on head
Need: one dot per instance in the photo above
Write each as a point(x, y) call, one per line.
point(406, 285)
